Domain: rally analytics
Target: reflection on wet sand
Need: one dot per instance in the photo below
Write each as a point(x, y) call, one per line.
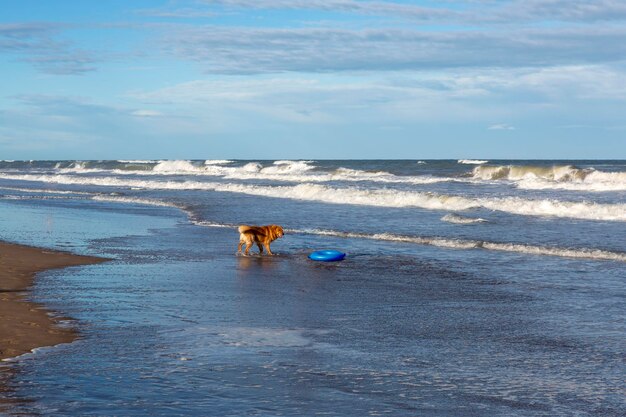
point(257, 263)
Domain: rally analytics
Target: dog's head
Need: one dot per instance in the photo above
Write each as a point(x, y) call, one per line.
point(278, 231)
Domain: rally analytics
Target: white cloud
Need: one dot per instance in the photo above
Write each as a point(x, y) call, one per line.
point(349, 6)
point(239, 50)
point(560, 10)
point(146, 113)
point(511, 11)
point(39, 44)
point(501, 126)
point(555, 84)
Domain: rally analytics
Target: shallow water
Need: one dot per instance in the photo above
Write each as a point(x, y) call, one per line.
point(427, 319)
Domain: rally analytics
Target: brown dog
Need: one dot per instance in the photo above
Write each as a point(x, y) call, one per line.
point(261, 235)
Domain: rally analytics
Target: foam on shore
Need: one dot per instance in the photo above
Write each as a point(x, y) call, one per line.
point(579, 253)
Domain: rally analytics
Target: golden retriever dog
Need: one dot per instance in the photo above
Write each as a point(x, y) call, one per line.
point(261, 235)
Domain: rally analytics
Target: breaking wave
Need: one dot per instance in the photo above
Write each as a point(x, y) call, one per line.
point(518, 172)
point(220, 168)
point(189, 167)
point(175, 166)
point(285, 171)
point(288, 167)
point(366, 197)
point(280, 171)
point(564, 177)
point(77, 166)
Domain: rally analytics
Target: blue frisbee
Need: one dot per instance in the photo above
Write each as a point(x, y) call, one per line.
point(327, 255)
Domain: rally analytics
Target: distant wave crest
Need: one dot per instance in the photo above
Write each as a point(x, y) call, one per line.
point(282, 170)
point(471, 161)
point(218, 162)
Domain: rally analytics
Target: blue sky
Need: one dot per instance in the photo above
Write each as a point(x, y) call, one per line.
point(266, 79)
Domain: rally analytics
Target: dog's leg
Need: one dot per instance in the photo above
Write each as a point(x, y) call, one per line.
point(260, 248)
point(241, 242)
point(248, 246)
point(267, 246)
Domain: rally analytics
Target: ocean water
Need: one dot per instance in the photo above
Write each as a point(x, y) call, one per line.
point(471, 288)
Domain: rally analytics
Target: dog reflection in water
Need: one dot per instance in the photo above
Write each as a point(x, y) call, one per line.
point(255, 266)
point(263, 236)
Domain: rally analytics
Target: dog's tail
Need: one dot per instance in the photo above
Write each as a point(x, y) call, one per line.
point(243, 228)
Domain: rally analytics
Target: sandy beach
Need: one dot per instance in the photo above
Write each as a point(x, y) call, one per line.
point(25, 325)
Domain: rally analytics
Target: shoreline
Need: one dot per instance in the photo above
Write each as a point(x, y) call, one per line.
point(24, 324)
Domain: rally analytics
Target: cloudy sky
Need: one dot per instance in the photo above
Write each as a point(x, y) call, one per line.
point(267, 79)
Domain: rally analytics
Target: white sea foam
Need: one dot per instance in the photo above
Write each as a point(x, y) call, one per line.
point(175, 166)
point(44, 190)
point(77, 166)
point(558, 177)
point(288, 167)
point(35, 351)
point(584, 253)
point(251, 167)
point(136, 200)
point(33, 197)
point(431, 201)
point(593, 181)
point(471, 161)
point(355, 175)
point(92, 196)
point(457, 219)
point(136, 161)
point(581, 253)
point(290, 162)
point(217, 168)
point(357, 196)
point(283, 171)
point(518, 172)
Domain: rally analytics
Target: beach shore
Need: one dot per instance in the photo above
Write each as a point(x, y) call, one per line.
point(25, 325)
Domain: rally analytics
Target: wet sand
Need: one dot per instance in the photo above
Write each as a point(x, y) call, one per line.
point(25, 325)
